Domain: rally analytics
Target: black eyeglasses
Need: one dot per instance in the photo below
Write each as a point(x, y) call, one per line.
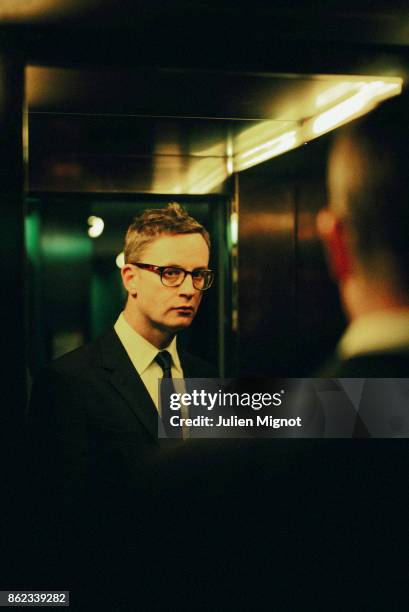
point(172, 276)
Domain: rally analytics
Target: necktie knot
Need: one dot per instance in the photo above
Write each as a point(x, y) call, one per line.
point(164, 359)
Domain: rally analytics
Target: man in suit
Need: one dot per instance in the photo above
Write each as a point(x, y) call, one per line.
point(94, 411)
point(365, 231)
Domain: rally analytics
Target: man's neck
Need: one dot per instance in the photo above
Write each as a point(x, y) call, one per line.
point(157, 337)
point(361, 298)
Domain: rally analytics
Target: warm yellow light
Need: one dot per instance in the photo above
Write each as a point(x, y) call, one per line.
point(14, 11)
point(261, 132)
point(266, 150)
point(347, 100)
point(229, 147)
point(205, 175)
point(338, 91)
point(338, 114)
point(96, 226)
point(120, 260)
point(360, 102)
point(209, 182)
point(234, 228)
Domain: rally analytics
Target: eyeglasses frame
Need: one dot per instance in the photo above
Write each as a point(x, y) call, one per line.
point(160, 270)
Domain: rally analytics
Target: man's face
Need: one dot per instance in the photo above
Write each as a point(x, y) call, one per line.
point(168, 309)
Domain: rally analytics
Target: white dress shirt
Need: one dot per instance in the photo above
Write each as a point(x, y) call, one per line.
point(142, 354)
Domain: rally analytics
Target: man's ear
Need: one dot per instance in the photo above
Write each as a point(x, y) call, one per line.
point(336, 239)
point(128, 274)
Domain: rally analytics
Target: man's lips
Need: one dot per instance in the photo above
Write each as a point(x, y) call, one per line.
point(184, 308)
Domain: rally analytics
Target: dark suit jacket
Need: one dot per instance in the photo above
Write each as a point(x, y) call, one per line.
point(373, 365)
point(381, 406)
point(92, 420)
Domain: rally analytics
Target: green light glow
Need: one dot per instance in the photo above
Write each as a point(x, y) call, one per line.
point(32, 236)
point(65, 246)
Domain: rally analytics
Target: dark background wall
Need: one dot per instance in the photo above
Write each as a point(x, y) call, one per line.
point(290, 317)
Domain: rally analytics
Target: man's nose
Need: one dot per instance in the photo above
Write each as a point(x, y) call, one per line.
point(187, 287)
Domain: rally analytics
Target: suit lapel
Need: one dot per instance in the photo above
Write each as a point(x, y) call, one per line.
point(127, 381)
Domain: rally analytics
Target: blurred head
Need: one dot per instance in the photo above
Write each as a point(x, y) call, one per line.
point(160, 238)
point(366, 226)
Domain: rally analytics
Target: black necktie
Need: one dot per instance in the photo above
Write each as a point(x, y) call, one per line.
point(166, 388)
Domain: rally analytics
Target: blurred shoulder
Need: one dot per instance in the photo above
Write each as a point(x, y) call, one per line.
point(372, 365)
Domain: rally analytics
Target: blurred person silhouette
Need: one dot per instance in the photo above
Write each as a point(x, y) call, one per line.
point(365, 231)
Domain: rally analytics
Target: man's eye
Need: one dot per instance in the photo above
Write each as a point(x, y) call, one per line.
point(198, 273)
point(172, 272)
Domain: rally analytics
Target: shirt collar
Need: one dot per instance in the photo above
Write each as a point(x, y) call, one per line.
point(141, 352)
point(381, 331)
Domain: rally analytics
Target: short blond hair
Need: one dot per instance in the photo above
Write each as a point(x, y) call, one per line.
point(154, 222)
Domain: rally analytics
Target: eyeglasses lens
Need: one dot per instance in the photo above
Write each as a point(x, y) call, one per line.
point(173, 277)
